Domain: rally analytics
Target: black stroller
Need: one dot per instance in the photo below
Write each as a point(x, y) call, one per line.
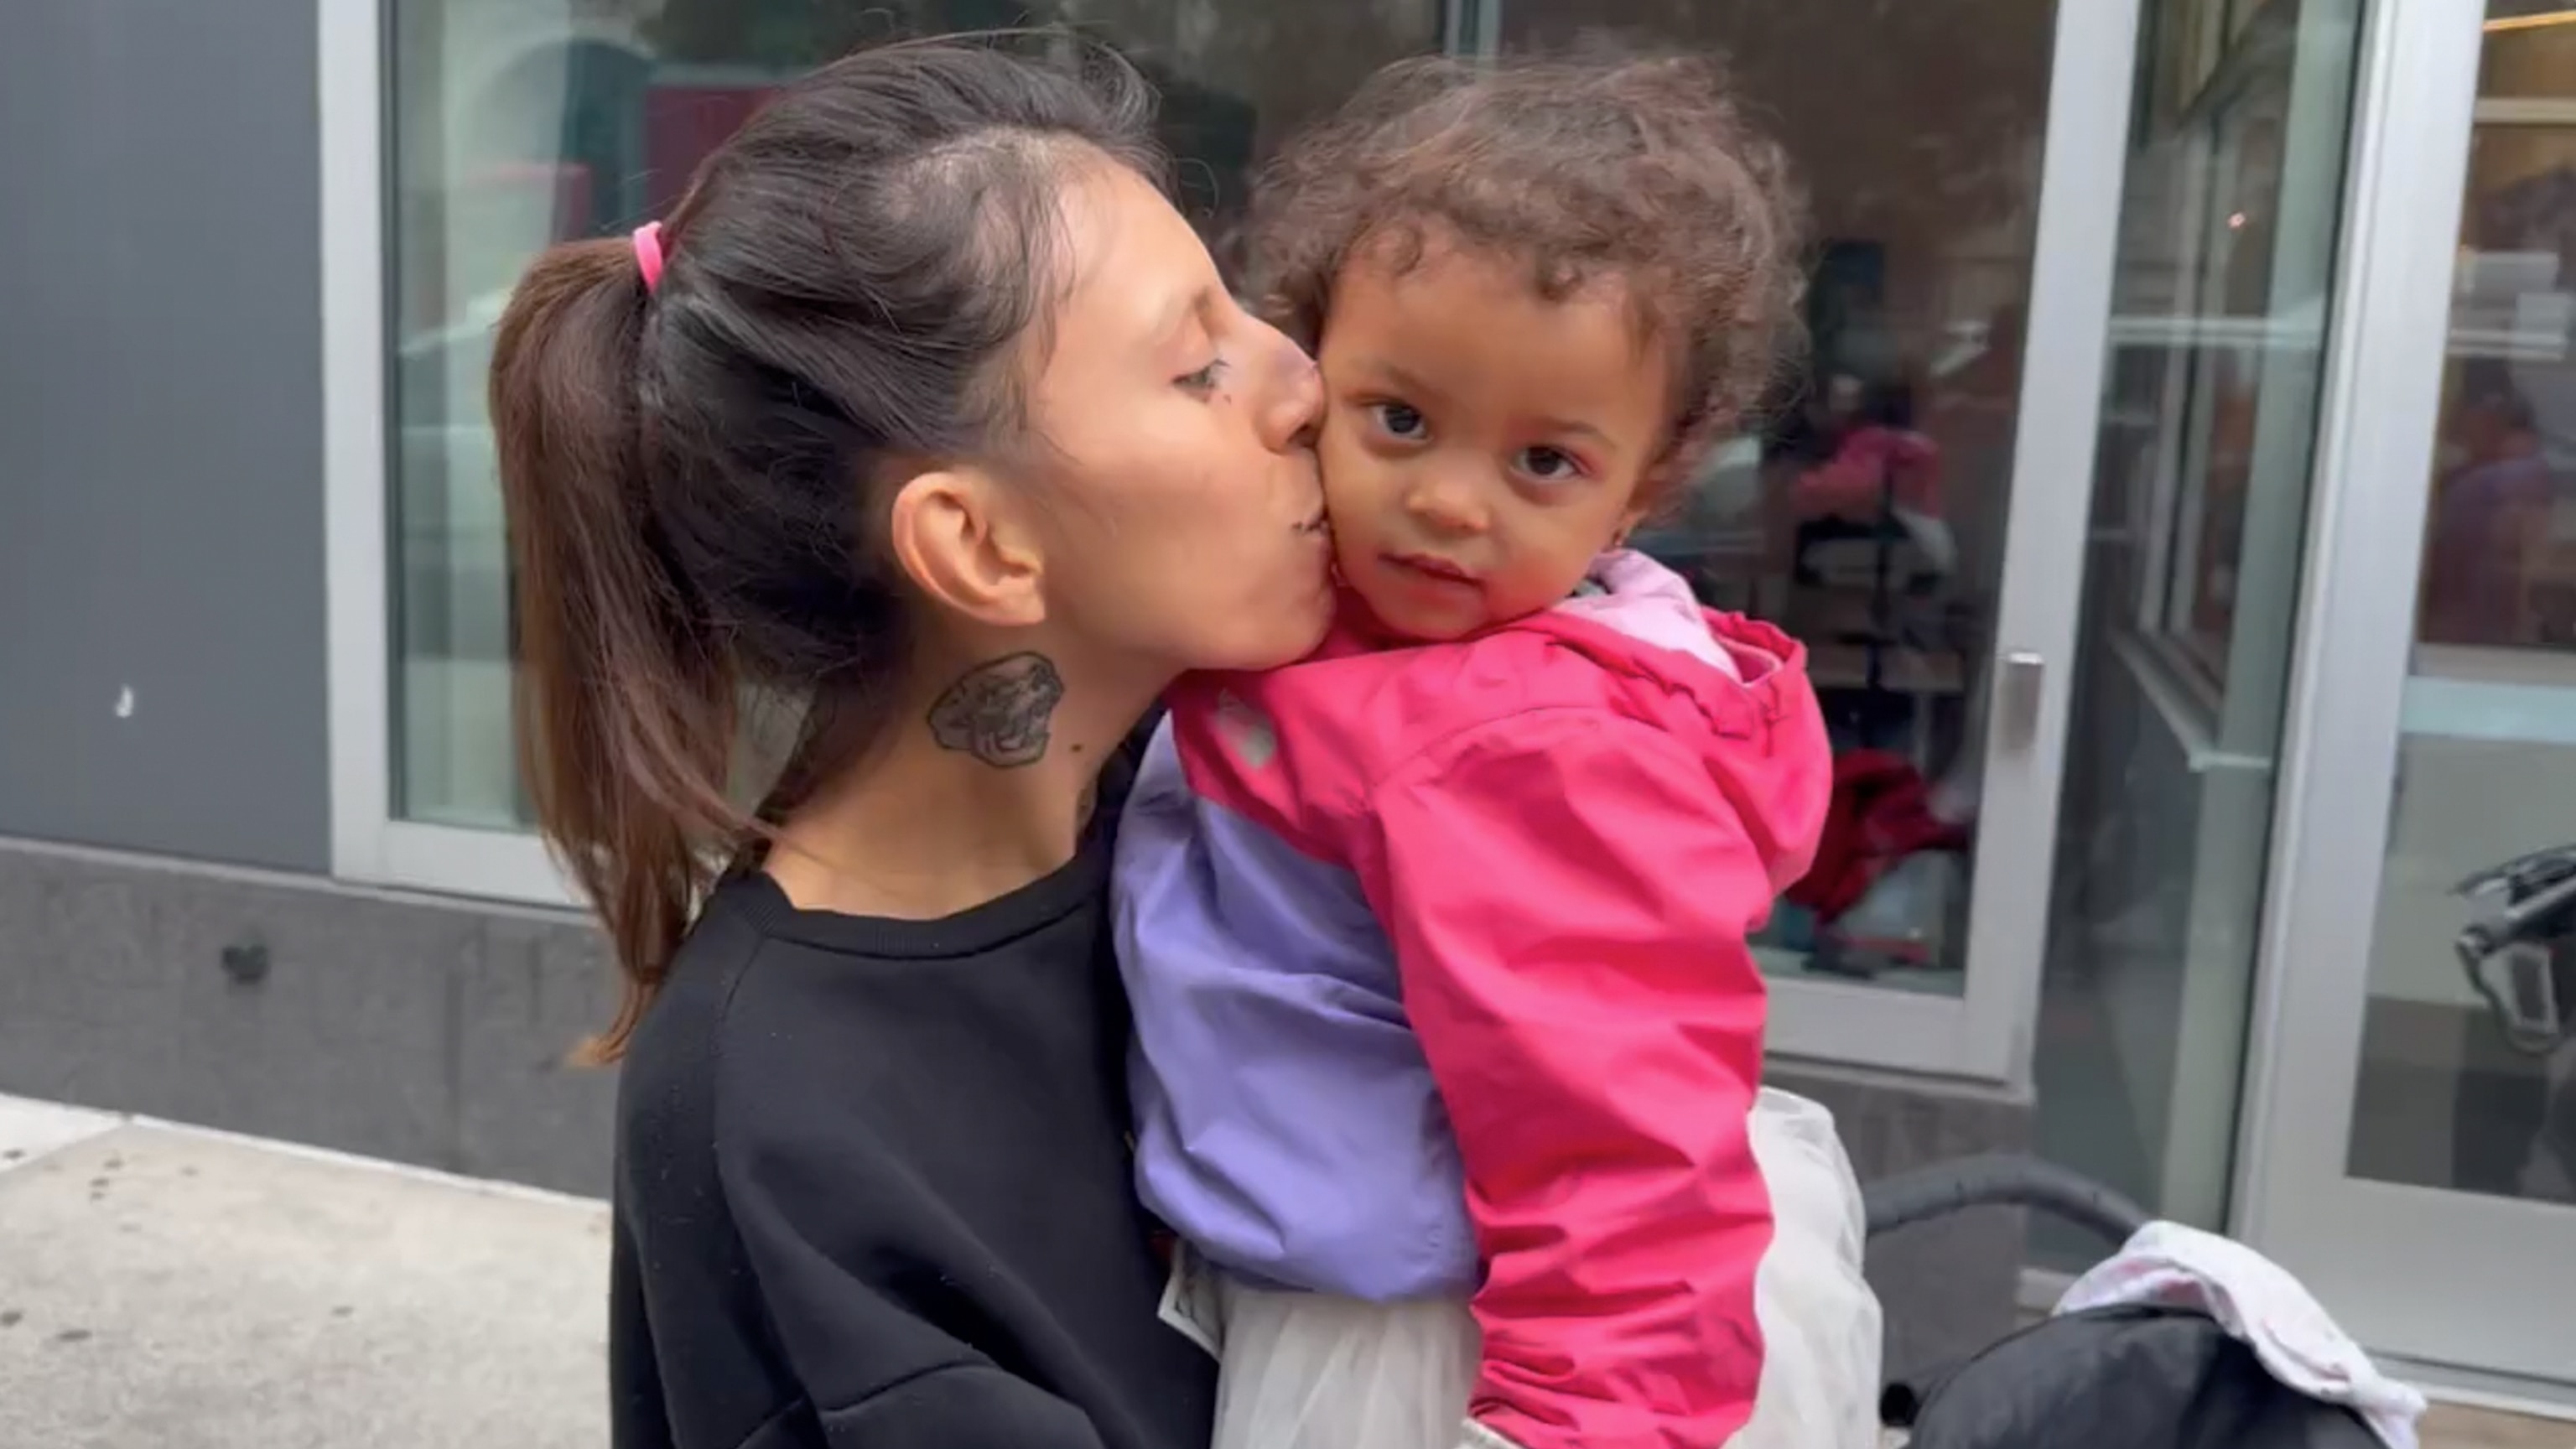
point(2113, 1378)
point(2156, 1378)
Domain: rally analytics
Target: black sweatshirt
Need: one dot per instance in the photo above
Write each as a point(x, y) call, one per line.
point(873, 1189)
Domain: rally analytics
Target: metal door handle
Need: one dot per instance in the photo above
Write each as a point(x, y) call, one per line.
point(2018, 695)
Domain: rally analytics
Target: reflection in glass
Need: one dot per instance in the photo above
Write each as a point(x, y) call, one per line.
point(521, 123)
point(2242, 176)
point(2500, 542)
point(1868, 518)
point(2467, 1080)
point(2468, 1073)
point(2228, 226)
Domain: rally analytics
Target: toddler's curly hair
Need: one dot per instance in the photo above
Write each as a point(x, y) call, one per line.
point(1593, 164)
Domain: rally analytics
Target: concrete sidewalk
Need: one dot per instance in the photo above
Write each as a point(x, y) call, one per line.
point(169, 1287)
point(182, 1289)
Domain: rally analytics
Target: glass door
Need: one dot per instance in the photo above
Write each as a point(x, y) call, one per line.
point(2201, 490)
point(1914, 510)
point(2414, 1154)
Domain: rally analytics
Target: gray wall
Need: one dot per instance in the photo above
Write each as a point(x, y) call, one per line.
point(161, 429)
point(403, 1027)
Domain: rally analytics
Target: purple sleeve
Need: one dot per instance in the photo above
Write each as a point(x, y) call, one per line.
point(1286, 1122)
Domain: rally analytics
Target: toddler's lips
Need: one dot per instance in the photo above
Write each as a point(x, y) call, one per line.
point(1433, 569)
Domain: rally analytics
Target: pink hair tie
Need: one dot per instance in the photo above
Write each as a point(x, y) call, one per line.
point(648, 254)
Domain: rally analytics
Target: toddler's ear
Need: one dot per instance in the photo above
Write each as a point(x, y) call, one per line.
point(1627, 525)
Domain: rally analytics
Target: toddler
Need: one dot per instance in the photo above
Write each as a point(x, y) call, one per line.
point(1449, 1037)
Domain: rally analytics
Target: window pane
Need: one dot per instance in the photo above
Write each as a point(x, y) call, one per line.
point(1869, 520)
point(521, 123)
point(2500, 545)
point(2230, 210)
point(2467, 1079)
point(2530, 51)
point(2234, 280)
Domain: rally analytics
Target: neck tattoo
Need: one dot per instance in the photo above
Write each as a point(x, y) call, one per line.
point(1000, 712)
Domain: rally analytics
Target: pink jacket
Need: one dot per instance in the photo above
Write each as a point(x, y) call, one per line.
point(1513, 876)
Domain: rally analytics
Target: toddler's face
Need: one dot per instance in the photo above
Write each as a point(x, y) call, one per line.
point(1480, 444)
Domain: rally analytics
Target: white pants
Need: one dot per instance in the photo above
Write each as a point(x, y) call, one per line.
point(1305, 1371)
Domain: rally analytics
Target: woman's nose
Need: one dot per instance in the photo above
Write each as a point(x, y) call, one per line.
point(1296, 403)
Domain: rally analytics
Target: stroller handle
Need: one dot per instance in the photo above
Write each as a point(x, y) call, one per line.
point(1998, 1179)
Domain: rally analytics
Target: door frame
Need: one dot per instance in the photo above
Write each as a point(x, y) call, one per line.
point(1986, 1033)
point(2508, 1268)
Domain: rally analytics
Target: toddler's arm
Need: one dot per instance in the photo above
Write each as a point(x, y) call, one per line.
point(1569, 899)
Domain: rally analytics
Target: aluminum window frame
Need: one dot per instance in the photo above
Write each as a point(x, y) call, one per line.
point(1984, 1034)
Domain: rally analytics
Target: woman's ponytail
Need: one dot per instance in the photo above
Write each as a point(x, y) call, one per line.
point(625, 694)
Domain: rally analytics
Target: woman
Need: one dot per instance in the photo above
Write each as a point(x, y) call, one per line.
point(923, 408)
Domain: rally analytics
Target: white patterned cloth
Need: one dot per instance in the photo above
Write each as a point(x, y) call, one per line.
point(2259, 1303)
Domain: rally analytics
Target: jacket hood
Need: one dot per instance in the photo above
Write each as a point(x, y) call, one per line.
point(1734, 687)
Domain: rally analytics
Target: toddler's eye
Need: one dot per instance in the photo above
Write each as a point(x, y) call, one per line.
point(1549, 465)
point(1399, 420)
point(1204, 380)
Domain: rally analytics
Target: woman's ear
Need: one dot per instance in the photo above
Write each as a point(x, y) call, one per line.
point(956, 533)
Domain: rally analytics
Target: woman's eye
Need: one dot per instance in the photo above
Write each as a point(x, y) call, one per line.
point(1204, 380)
point(1397, 420)
point(1549, 465)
